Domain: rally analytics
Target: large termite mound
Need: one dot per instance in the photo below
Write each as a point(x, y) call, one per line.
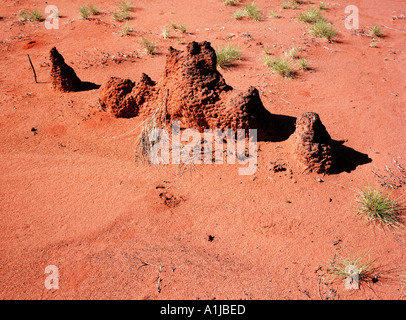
point(313, 145)
point(194, 92)
point(63, 77)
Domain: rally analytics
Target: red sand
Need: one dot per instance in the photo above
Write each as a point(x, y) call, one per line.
point(72, 195)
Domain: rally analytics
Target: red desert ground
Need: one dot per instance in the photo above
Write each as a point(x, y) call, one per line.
point(85, 214)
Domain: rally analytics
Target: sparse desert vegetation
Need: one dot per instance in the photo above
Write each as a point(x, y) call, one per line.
point(274, 14)
point(292, 53)
point(376, 31)
point(250, 11)
point(303, 64)
point(360, 265)
point(322, 6)
point(33, 15)
point(281, 66)
point(231, 2)
point(226, 55)
point(320, 27)
point(126, 29)
point(148, 45)
point(312, 15)
point(323, 29)
point(93, 9)
point(85, 11)
point(123, 12)
point(166, 32)
point(377, 206)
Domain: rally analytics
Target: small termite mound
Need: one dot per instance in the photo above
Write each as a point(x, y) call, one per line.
point(313, 145)
point(63, 77)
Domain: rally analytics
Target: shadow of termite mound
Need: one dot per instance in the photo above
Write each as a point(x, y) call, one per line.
point(314, 148)
point(196, 94)
point(347, 159)
point(64, 78)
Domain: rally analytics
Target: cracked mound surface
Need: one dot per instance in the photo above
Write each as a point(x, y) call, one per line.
point(198, 95)
point(63, 77)
point(313, 144)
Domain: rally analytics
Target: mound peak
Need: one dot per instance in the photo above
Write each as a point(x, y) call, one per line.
point(313, 144)
point(63, 77)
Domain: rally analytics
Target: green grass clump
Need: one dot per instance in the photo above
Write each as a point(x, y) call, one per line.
point(378, 207)
point(322, 6)
point(281, 66)
point(250, 11)
point(126, 29)
point(292, 53)
point(274, 14)
point(376, 31)
point(239, 14)
point(121, 15)
point(340, 268)
point(285, 5)
point(312, 15)
point(84, 12)
point(123, 12)
point(291, 4)
point(166, 32)
point(93, 10)
point(125, 5)
point(227, 55)
point(231, 2)
point(34, 15)
point(25, 15)
point(182, 28)
point(303, 64)
point(323, 29)
point(148, 45)
point(253, 12)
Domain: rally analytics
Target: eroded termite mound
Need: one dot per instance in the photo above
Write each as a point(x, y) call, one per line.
point(313, 145)
point(195, 93)
point(63, 77)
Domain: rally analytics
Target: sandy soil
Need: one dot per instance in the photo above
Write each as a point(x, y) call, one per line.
point(72, 195)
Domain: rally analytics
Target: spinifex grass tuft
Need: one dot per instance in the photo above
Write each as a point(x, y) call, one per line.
point(280, 66)
point(303, 64)
point(227, 55)
point(376, 31)
point(123, 12)
point(84, 12)
point(343, 268)
point(312, 15)
point(250, 11)
point(126, 29)
point(292, 53)
point(151, 128)
point(166, 32)
point(378, 207)
point(323, 29)
point(93, 9)
point(231, 2)
point(322, 6)
point(148, 45)
point(34, 15)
